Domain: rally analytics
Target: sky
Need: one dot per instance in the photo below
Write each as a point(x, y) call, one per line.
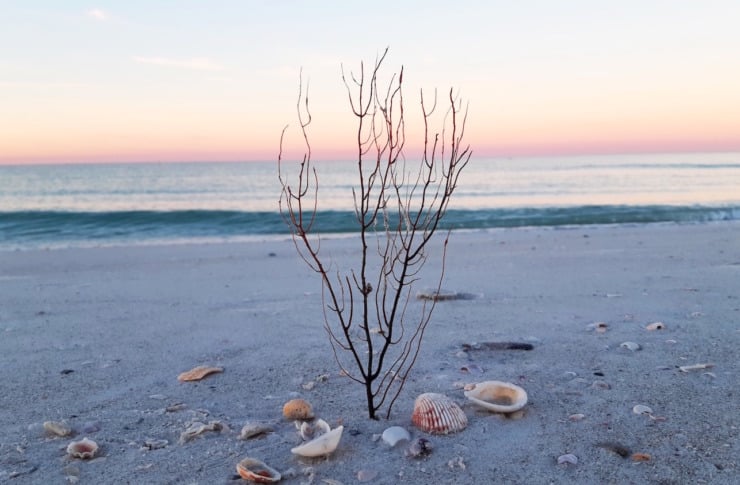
point(187, 80)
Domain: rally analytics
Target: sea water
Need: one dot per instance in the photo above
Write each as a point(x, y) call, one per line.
point(101, 204)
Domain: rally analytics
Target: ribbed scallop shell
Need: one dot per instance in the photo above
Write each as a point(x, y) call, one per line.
point(437, 414)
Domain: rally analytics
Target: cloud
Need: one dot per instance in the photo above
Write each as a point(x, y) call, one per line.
point(97, 14)
point(196, 63)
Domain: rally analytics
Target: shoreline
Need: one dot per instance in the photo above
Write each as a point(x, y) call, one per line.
point(96, 337)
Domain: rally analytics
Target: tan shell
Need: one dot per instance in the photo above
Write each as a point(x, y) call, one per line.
point(298, 409)
point(83, 449)
point(656, 326)
point(198, 373)
point(497, 396)
point(438, 414)
point(57, 428)
point(257, 471)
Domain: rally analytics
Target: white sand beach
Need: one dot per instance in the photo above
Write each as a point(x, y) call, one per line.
point(96, 338)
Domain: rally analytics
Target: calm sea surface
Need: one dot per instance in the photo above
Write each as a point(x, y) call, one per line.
point(83, 204)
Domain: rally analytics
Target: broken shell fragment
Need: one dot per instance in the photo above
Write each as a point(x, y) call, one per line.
point(198, 373)
point(57, 428)
point(498, 396)
point(642, 409)
point(83, 449)
point(655, 326)
point(599, 327)
point(313, 430)
point(438, 414)
point(394, 435)
point(633, 346)
point(568, 459)
point(689, 368)
point(298, 409)
point(198, 428)
point(257, 471)
point(323, 445)
point(419, 447)
point(252, 429)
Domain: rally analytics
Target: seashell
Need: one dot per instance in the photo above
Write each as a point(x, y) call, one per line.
point(630, 346)
point(57, 428)
point(394, 434)
point(298, 409)
point(568, 459)
point(689, 368)
point(313, 430)
point(83, 449)
point(438, 414)
point(599, 327)
point(576, 417)
point(642, 409)
point(323, 445)
point(498, 396)
point(153, 444)
point(198, 428)
point(198, 373)
point(257, 471)
point(251, 429)
point(641, 457)
point(366, 475)
point(656, 326)
point(419, 447)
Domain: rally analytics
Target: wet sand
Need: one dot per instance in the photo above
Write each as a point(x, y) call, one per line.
point(96, 338)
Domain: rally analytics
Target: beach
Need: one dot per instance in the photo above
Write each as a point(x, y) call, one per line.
point(96, 338)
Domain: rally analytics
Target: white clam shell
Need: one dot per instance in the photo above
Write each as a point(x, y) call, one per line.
point(642, 409)
point(498, 396)
point(438, 414)
point(395, 434)
point(655, 326)
point(323, 445)
point(633, 346)
point(568, 459)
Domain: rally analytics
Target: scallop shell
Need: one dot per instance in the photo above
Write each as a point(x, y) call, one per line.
point(298, 409)
point(198, 373)
point(438, 414)
point(323, 445)
point(257, 471)
point(83, 449)
point(497, 396)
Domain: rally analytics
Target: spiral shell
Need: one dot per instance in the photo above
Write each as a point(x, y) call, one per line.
point(437, 414)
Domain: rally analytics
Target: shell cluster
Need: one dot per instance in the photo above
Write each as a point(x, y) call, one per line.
point(438, 414)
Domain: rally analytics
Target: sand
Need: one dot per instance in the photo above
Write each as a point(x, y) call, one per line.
point(96, 338)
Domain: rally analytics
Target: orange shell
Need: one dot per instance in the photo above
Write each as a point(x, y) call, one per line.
point(298, 409)
point(257, 471)
point(198, 373)
point(437, 414)
point(641, 457)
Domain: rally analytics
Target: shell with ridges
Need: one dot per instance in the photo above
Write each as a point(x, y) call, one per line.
point(83, 449)
point(438, 414)
point(298, 409)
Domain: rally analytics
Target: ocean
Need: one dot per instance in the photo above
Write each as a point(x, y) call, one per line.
point(69, 205)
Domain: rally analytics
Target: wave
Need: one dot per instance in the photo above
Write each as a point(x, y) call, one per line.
point(59, 227)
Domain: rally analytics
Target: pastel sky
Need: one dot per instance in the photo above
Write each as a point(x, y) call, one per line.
point(181, 80)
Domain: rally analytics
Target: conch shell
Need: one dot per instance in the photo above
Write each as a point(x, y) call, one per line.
point(438, 414)
point(323, 444)
point(257, 471)
point(497, 396)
